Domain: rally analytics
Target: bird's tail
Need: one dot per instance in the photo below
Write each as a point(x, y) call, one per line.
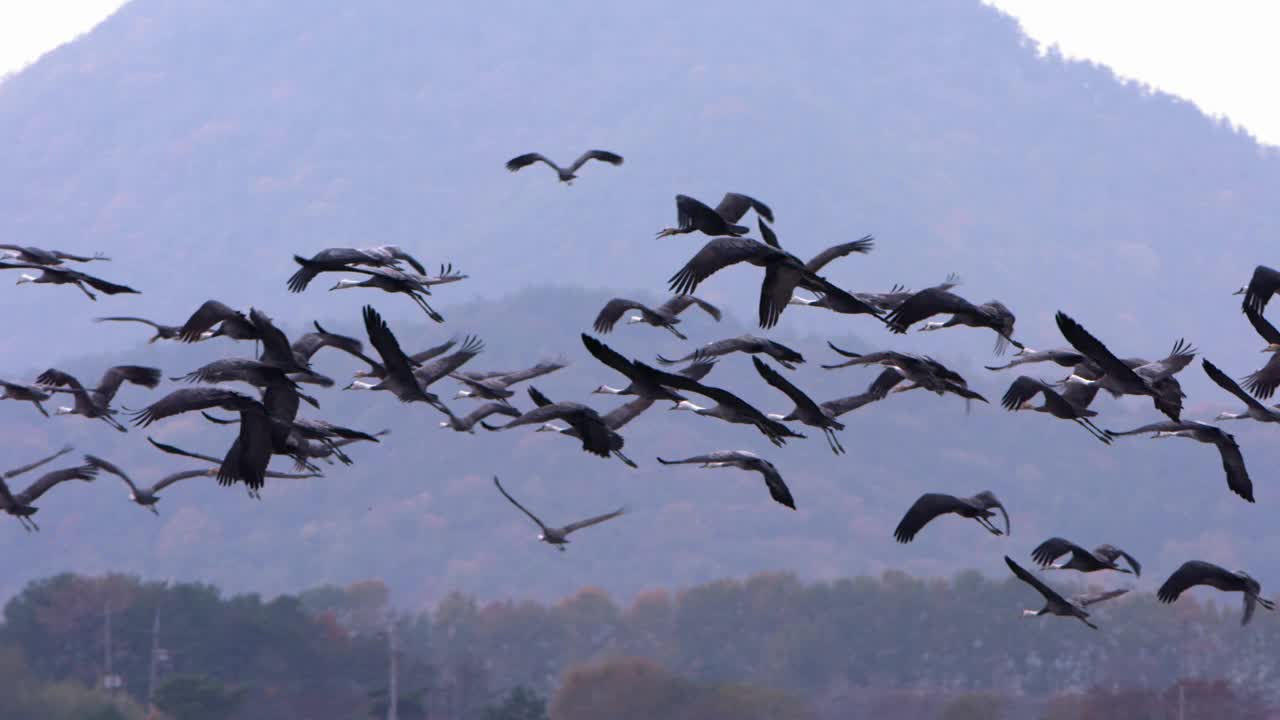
point(299, 280)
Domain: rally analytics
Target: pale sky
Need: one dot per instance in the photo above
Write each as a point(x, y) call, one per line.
point(1218, 55)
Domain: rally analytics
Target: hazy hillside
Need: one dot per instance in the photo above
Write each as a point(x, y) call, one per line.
point(201, 144)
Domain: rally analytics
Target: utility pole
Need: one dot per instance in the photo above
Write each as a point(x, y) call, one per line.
point(106, 646)
point(155, 659)
point(393, 682)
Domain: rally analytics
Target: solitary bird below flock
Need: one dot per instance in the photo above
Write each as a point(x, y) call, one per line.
point(568, 174)
point(1199, 572)
point(1054, 603)
point(559, 537)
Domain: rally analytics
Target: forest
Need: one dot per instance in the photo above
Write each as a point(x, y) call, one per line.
point(768, 646)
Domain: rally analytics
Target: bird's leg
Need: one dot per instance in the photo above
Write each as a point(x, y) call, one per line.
point(626, 460)
point(85, 290)
point(114, 423)
point(1265, 603)
point(984, 522)
point(40, 408)
point(1092, 429)
point(675, 332)
point(337, 452)
point(1086, 622)
point(31, 521)
point(833, 441)
point(426, 308)
point(153, 510)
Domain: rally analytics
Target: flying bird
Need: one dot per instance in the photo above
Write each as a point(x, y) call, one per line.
point(933, 301)
point(1064, 357)
point(1232, 460)
point(1103, 557)
point(918, 370)
point(343, 259)
point(1199, 572)
point(743, 460)
point(25, 393)
point(40, 256)
point(96, 402)
point(559, 537)
point(230, 323)
point(806, 410)
point(162, 332)
point(391, 280)
point(1253, 409)
point(62, 276)
point(695, 216)
point(596, 436)
point(568, 174)
point(932, 505)
point(1264, 381)
point(1264, 283)
point(664, 316)
point(1055, 604)
point(749, 344)
point(20, 506)
point(497, 386)
point(1071, 404)
point(468, 422)
point(1119, 378)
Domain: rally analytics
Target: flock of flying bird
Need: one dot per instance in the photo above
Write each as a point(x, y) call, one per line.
point(269, 423)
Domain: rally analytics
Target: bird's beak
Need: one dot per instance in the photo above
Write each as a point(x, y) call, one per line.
point(1271, 347)
point(1241, 291)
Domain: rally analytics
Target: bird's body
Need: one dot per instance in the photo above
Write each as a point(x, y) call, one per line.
point(96, 402)
point(1232, 460)
point(1056, 604)
point(50, 275)
point(1120, 378)
point(391, 280)
point(749, 344)
point(663, 316)
point(693, 215)
point(1199, 572)
point(806, 410)
point(919, 370)
point(744, 460)
point(934, 301)
point(566, 174)
point(33, 394)
point(1065, 406)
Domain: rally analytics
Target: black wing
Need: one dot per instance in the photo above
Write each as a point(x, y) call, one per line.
point(717, 254)
point(734, 205)
point(1226, 383)
point(1054, 548)
point(210, 313)
point(1262, 285)
point(926, 508)
point(802, 401)
point(1094, 350)
point(1111, 552)
point(601, 155)
point(528, 159)
point(819, 261)
point(612, 312)
point(925, 304)
point(41, 486)
point(1265, 329)
point(1021, 573)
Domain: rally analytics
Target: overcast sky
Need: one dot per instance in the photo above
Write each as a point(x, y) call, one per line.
point(1219, 55)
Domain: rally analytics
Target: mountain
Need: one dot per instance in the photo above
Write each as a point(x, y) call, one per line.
point(201, 144)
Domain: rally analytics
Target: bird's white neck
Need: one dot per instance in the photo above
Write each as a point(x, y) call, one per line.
point(608, 390)
point(1030, 613)
point(358, 385)
point(1231, 416)
point(686, 405)
point(634, 319)
point(775, 416)
point(797, 300)
point(462, 394)
point(25, 278)
point(344, 284)
point(64, 411)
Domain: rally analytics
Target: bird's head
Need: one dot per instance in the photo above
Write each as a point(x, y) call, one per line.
point(1224, 415)
point(635, 319)
point(25, 278)
point(64, 411)
point(344, 284)
point(1241, 291)
point(358, 385)
point(549, 427)
point(685, 405)
point(606, 390)
point(462, 394)
point(1271, 347)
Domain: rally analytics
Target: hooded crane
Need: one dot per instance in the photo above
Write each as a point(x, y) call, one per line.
point(96, 403)
point(231, 323)
point(645, 381)
point(1264, 381)
point(806, 410)
point(695, 371)
point(596, 436)
point(920, 372)
point(664, 316)
point(1064, 357)
point(497, 386)
point(615, 419)
point(147, 497)
point(1264, 283)
point(566, 175)
point(305, 348)
point(40, 256)
point(1103, 557)
point(743, 460)
point(398, 374)
point(343, 259)
point(749, 344)
point(784, 272)
point(300, 431)
point(1253, 409)
point(728, 407)
point(1055, 604)
point(1232, 460)
point(301, 453)
point(883, 302)
point(559, 537)
point(162, 332)
point(877, 390)
point(20, 506)
point(25, 393)
point(1072, 404)
point(933, 301)
point(693, 215)
point(1199, 572)
point(63, 276)
point(1119, 378)
point(247, 458)
point(416, 360)
point(931, 505)
point(390, 280)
